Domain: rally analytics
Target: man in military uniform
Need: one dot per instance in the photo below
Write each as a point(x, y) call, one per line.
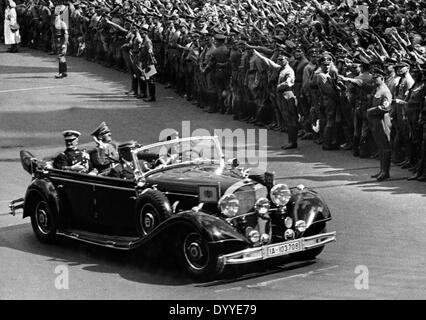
point(411, 114)
point(380, 124)
point(420, 173)
point(298, 65)
point(330, 99)
point(105, 154)
point(288, 102)
point(401, 126)
point(207, 94)
point(147, 62)
point(61, 37)
point(125, 168)
point(219, 63)
point(359, 90)
point(72, 158)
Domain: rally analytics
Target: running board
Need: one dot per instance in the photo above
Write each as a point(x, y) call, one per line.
point(115, 242)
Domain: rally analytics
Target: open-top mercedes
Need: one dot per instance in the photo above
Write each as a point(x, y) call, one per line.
point(210, 212)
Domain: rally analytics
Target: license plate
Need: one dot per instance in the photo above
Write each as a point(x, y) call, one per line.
point(283, 249)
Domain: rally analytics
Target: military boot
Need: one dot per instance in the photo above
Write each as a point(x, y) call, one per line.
point(386, 156)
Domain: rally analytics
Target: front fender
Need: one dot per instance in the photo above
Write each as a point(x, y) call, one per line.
point(220, 236)
point(308, 205)
point(41, 187)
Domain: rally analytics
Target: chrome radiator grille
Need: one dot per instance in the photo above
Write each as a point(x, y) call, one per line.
point(247, 196)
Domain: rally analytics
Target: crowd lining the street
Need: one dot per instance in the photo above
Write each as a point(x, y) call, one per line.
point(313, 69)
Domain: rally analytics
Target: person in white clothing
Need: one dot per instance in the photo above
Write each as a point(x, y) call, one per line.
point(11, 27)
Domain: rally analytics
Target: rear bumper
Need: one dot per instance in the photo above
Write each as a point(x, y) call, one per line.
point(263, 252)
point(16, 205)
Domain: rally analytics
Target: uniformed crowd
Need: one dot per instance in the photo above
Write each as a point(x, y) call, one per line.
point(323, 70)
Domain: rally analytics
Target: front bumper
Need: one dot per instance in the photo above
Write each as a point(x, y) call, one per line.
point(264, 252)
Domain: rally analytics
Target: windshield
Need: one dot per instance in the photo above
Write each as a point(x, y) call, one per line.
point(178, 151)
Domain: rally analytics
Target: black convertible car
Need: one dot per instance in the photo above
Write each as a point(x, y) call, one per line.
point(211, 212)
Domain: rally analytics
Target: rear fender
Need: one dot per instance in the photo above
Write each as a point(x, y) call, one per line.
point(44, 188)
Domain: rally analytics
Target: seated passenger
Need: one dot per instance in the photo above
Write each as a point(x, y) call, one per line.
point(169, 155)
point(72, 158)
point(106, 153)
point(125, 168)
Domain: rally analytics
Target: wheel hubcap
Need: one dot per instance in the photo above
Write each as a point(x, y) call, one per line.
point(148, 218)
point(42, 218)
point(195, 253)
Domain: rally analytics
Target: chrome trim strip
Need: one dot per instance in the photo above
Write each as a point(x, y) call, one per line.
point(111, 245)
point(259, 253)
point(92, 183)
point(181, 194)
point(237, 185)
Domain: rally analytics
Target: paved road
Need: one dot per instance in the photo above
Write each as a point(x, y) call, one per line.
point(380, 226)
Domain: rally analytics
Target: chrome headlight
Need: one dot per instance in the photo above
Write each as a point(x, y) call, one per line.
point(252, 235)
point(229, 205)
point(280, 194)
point(288, 222)
point(262, 206)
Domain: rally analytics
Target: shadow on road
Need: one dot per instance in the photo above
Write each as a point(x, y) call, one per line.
point(143, 265)
point(340, 168)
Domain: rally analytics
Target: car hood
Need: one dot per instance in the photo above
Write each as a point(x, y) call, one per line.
point(188, 179)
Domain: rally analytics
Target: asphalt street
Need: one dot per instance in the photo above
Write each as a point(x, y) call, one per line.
point(380, 226)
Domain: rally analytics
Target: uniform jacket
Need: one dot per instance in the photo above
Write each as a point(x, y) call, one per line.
point(286, 80)
point(123, 171)
point(71, 157)
point(379, 112)
point(104, 158)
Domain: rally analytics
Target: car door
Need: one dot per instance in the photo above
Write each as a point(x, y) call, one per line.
point(114, 203)
point(76, 192)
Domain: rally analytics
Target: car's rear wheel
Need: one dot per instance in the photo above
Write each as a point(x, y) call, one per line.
point(43, 220)
point(195, 257)
point(153, 207)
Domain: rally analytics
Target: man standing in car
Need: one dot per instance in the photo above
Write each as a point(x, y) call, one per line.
point(106, 153)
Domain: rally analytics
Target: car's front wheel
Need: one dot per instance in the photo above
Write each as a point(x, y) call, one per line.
point(152, 208)
point(195, 257)
point(43, 220)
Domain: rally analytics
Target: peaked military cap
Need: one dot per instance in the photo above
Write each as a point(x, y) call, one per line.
point(71, 134)
point(377, 72)
point(220, 37)
point(127, 145)
point(101, 130)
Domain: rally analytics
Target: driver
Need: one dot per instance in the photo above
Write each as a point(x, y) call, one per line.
point(170, 154)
